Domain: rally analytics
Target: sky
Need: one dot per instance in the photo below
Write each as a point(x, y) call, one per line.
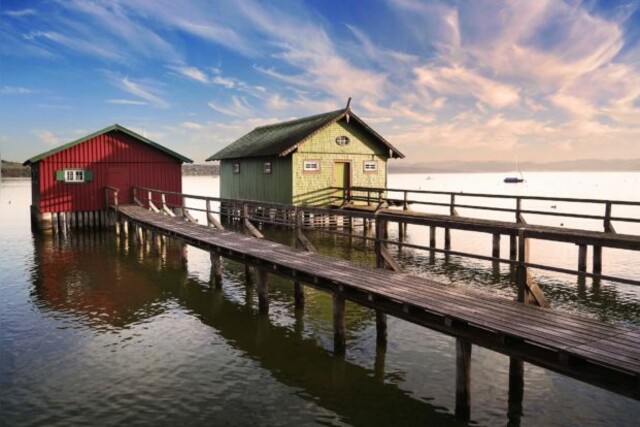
point(481, 80)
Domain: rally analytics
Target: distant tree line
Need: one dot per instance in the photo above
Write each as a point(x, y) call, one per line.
point(191, 170)
point(14, 170)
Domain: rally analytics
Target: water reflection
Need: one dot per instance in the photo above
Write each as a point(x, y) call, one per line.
point(86, 275)
point(110, 284)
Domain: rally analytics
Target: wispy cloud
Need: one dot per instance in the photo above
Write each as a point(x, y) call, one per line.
point(146, 90)
point(192, 73)
point(15, 90)
point(47, 137)
point(19, 13)
point(463, 82)
point(238, 107)
point(125, 102)
point(76, 44)
point(192, 125)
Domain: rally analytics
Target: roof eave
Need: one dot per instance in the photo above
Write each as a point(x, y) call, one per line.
point(114, 127)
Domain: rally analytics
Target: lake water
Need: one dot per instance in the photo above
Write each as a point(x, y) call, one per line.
point(94, 331)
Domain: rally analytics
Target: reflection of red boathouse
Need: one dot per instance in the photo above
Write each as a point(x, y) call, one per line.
point(85, 274)
point(68, 183)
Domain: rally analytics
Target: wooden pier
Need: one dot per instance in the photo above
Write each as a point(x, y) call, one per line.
point(595, 352)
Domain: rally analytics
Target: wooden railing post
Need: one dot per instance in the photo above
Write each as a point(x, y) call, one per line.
point(149, 199)
point(521, 274)
point(447, 231)
point(208, 208)
point(380, 232)
point(608, 228)
point(519, 217)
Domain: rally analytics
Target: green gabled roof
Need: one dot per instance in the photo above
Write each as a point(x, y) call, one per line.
point(281, 139)
point(115, 127)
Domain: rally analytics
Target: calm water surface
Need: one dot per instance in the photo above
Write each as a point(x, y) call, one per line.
point(94, 331)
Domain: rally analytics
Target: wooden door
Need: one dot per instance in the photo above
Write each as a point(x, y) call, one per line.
point(118, 177)
point(341, 178)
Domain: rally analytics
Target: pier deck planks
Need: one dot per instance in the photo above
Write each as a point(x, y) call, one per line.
point(603, 354)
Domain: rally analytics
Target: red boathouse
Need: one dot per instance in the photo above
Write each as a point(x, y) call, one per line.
point(68, 183)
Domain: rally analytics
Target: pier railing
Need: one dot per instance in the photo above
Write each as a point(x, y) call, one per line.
point(359, 225)
point(415, 199)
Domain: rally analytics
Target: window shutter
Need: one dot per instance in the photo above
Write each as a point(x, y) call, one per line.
point(60, 175)
point(88, 176)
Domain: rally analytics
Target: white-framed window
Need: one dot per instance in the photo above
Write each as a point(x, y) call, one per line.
point(370, 166)
point(266, 167)
point(311, 166)
point(342, 140)
point(236, 167)
point(74, 175)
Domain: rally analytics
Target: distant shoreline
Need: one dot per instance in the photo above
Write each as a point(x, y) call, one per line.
point(16, 170)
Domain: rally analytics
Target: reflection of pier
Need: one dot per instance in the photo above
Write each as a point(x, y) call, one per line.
point(598, 353)
point(100, 302)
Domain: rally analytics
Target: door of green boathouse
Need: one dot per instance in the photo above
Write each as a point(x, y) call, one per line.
point(341, 178)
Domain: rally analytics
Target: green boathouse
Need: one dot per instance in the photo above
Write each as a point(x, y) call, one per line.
point(299, 161)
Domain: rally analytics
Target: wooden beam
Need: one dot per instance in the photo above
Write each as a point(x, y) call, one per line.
point(188, 216)
point(251, 229)
point(582, 258)
point(216, 270)
point(516, 390)
point(213, 221)
point(298, 295)
point(304, 242)
point(389, 260)
point(153, 207)
point(168, 211)
point(597, 259)
point(339, 324)
point(528, 290)
point(495, 253)
point(263, 291)
point(463, 380)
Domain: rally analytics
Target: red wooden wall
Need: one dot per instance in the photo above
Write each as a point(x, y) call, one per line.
point(116, 159)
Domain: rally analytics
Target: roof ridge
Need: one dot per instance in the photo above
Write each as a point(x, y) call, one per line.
point(301, 120)
point(110, 128)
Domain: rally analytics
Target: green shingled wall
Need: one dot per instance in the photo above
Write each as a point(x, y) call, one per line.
point(253, 184)
point(313, 188)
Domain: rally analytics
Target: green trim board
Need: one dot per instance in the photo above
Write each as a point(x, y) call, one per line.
point(114, 127)
point(281, 139)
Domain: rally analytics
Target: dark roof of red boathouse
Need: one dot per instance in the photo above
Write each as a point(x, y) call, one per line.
point(112, 128)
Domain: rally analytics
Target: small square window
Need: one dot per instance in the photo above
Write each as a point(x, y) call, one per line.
point(74, 175)
point(266, 167)
point(236, 167)
point(311, 166)
point(371, 166)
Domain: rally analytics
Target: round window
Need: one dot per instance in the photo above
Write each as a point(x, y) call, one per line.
point(342, 140)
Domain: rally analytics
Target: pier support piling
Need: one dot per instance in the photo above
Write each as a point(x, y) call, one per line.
point(463, 380)
point(582, 258)
point(516, 390)
point(216, 270)
point(298, 295)
point(495, 252)
point(381, 328)
point(447, 239)
point(597, 259)
point(263, 291)
point(339, 324)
